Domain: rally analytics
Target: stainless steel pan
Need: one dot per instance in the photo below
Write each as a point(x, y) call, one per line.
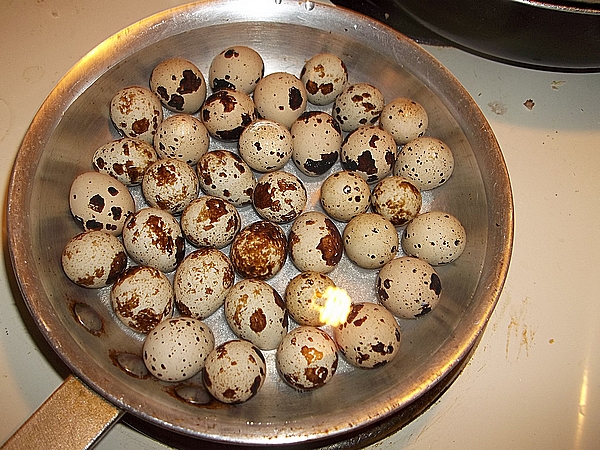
point(79, 323)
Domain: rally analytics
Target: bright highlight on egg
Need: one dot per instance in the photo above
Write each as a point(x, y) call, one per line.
point(336, 307)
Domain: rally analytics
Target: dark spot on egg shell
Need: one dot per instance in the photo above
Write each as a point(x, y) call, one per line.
point(330, 245)
point(96, 203)
point(189, 83)
point(258, 321)
point(141, 126)
point(117, 266)
point(295, 98)
point(319, 167)
point(436, 284)
point(256, 385)
point(231, 53)
point(316, 375)
point(176, 102)
point(162, 92)
point(311, 86)
point(220, 83)
point(93, 225)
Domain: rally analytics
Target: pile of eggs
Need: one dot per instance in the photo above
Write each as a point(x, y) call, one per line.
point(183, 253)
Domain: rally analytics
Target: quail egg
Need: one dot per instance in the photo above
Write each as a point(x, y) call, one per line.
point(408, 287)
point(100, 202)
point(136, 112)
point(370, 240)
point(177, 348)
point(238, 67)
point(304, 297)
point(170, 184)
point(358, 105)
point(93, 259)
point(202, 281)
point(316, 141)
point(265, 145)
point(279, 196)
point(345, 195)
point(125, 159)
point(142, 297)
point(370, 152)
point(179, 84)
point(225, 175)
point(182, 137)
point(396, 199)
point(281, 97)
point(324, 76)
point(370, 337)
point(210, 222)
point(405, 119)
point(436, 237)
point(226, 113)
point(256, 312)
point(426, 161)
point(234, 372)
point(307, 358)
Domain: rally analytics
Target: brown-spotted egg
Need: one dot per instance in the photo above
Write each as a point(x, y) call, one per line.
point(370, 152)
point(182, 137)
point(210, 221)
point(281, 97)
point(153, 237)
point(345, 195)
point(238, 67)
point(396, 199)
point(370, 240)
point(408, 287)
point(136, 112)
point(256, 312)
point(279, 196)
point(125, 159)
point(324, 76)
point(265, 145)
point(405, 119)
point(234, 372)
point(202, 281)
point(179, 84)
point(226, 175)
point(177, 348)
point(100, 202)
point(170, 184)
point(142, 297)
point(259, 250)
point(316, 141)
point(307, 358)
point(358, 105)
point(426, 161)
point(304, 297)
point(226, 113)
point(436, 237)
point(93, 259)
point(315, 243)
point(370, 337)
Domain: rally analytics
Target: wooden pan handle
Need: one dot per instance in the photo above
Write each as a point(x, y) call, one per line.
point(73, 417)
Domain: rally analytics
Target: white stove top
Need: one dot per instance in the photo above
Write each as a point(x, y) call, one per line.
point(534, 380)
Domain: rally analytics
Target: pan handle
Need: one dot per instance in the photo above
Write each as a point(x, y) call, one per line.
point(73, 417)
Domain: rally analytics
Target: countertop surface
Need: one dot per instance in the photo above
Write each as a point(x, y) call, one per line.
point(533, 381)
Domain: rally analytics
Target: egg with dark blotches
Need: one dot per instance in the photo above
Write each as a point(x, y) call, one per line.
point(256, 312)
point(396, 199)
point(170, 184)
point(136, 112)
point(265, 145)
point(177, 348)
point(238, 67)
point(370, 152)
point(317, 140)
point(281, 97)
point(279, 196)
point(182, 137)
point(358, 105)
point(304, 297)
point(324, 76)
point(235, 371)
point(210, 221)
point(125, 159)
point(370, 337)
point(408, 287)
point(179, 84)
point(226, 113)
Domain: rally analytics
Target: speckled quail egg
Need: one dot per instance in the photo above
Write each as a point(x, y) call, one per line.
point(304, 297)
point(281, 97)
point(396, 199)
point(259, 250)
point(279, 196)
point(182, 137)
point(136, 112)
point(93, 259)
point(405, 119)
point(436, 237)
point(265, 145)
point(202, 281)
point(358, 105)
point(238, 67)
point(370, 337)
point(426, 161)
point(142, 297)
point(170, 184)
point(317, 140)
point(153, 237)
point(100, 202)
point(315, 243)
point(125, 159)
point(306, 358)
point(234, 372)
point(345, 195)
point(177, 348)
point(408, 287)
point(370, 152)
point(324, 76)
point(370, 240)
point(256, 312)
point(225, 175)
point(179, 84)
point(226, 113)
point(210, 221)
